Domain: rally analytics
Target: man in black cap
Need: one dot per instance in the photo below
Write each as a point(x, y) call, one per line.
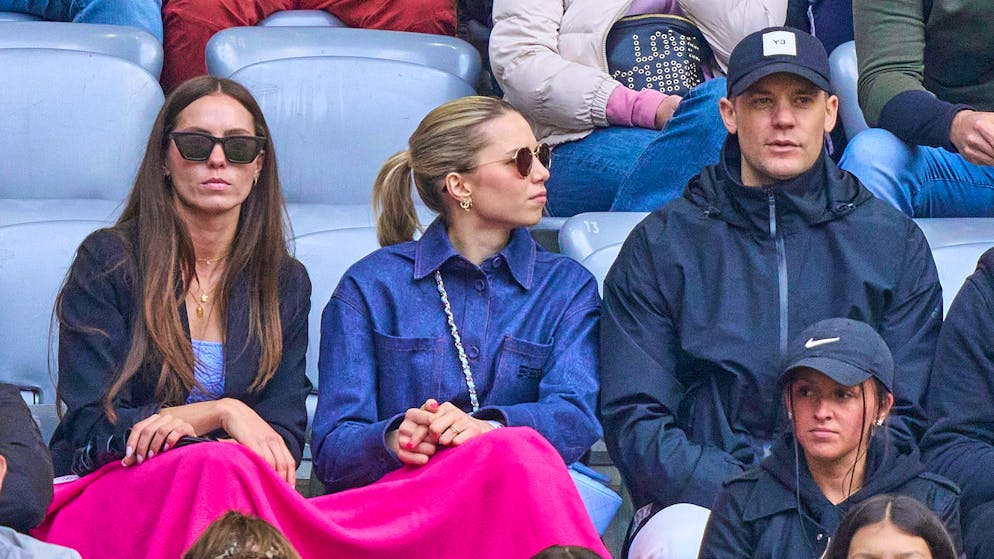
point(707, 291)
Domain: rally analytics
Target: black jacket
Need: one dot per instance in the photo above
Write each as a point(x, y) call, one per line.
point(960, 444)
point(705, 294)
point(757, 514)
point(99, 303)
point(27, 488)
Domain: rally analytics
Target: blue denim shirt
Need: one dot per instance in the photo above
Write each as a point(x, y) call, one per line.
point(528, 320)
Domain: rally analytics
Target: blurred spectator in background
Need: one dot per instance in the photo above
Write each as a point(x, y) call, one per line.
point(143, 14)
point(189, 24)
point(925, 80)
point(25, 481)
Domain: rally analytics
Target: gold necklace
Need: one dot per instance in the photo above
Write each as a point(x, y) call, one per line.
point(213, 260)
point(202, 299)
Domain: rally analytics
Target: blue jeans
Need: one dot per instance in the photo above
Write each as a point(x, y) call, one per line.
point(918, 180)
point(143, 14)
point(635, 169)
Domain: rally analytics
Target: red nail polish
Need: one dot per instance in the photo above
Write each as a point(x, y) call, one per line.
point(410, 444)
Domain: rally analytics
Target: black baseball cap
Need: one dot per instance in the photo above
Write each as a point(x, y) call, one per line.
point(774, 50)
point(847, 351)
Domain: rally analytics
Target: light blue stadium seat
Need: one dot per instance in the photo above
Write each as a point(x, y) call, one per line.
point(34, 259)
point(326, 255)
point(302, 18)
point(844, 76)
point(18, 16)
point(73, 133)
point(957, 244)
point(47, 418)
point(332, 134)
point(130, 43)
point(232, 49)
point(594, 240)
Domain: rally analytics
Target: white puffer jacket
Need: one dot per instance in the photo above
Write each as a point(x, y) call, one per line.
point(549, 56)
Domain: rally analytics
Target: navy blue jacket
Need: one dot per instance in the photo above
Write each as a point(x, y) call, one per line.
point(757, 514)
point(960, 444)
point(705, 294)
point(528, 320)
point(99, 306)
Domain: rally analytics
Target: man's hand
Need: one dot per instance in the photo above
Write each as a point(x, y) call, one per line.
point(972, 132)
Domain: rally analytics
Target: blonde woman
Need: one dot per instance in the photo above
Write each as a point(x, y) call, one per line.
point(469, 355)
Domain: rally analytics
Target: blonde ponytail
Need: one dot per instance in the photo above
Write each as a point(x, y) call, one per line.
point(396, 218)
point(447, 140)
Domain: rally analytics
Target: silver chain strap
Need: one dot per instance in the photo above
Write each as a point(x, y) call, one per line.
point(458, 342)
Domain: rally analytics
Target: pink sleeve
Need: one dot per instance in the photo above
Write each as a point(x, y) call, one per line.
point(627, 107)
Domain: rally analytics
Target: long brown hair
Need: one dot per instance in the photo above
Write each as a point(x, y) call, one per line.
point(448, 139)
point(165, 262)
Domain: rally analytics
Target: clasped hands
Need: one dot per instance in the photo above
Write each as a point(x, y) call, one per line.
point(431, 426)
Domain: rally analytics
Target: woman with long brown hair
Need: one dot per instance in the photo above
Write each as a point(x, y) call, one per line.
point(187, 318)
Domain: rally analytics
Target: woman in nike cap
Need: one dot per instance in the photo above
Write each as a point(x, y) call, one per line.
point(837, 384)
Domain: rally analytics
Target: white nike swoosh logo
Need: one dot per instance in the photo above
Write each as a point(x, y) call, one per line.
point(815, 343)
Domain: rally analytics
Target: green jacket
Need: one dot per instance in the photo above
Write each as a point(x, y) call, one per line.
point(943, 46)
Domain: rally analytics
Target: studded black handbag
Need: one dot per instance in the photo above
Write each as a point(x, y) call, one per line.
point(663, 52)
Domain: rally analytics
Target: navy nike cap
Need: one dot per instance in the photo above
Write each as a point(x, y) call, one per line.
point(847, 351)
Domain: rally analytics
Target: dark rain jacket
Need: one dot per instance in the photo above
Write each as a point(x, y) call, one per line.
point(705, 294)
point(960, 444)
point(757, 514)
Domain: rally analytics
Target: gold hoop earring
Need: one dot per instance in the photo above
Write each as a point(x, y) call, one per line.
point(466, 203)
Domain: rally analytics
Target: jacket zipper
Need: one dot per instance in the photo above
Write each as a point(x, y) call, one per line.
point(603, 43)
point(781, 270)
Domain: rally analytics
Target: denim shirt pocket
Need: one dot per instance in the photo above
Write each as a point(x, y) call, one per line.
point(520, 368)
point(408, 371)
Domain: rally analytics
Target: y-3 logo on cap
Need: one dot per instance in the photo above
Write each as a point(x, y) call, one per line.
point(815, 343)
point(779, 42)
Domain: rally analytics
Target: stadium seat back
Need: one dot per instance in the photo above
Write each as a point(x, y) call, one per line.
point(594, 239)
point(75, 125)
point(844, 76)
point(232, 49)
point(327, 255)
point(957, 244)
point(34, 259)
point(129, 43)
point(335, 120)
point(18, 16)
point(302, 18)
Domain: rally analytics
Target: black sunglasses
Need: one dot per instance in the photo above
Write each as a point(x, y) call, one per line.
point(197, 146)
point(523, 159)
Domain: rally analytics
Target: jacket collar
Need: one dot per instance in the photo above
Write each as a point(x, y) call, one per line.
point(433, 250)
point(889, 465)
point(822, 193)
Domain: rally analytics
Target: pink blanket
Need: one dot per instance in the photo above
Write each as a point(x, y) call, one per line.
point(504, 495)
